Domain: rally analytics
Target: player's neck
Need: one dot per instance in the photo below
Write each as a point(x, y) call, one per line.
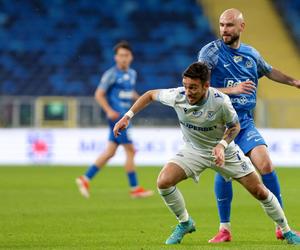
point(122, 68)
point(235, 45)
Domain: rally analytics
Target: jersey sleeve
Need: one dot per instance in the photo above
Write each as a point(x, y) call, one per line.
point(209, 55)
point(263, 67)
point(167, 96)
point(107, 79)
point(229, 114)
point(134, 77)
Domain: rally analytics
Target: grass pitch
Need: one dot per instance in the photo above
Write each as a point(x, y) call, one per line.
point(41, 208)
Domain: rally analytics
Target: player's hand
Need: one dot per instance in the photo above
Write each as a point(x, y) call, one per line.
point(113, 115)
point(218, 153)
point(120, 125)
point(296, 83)
point(247, 87)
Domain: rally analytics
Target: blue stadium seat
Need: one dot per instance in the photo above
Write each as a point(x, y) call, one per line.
point(61, 47)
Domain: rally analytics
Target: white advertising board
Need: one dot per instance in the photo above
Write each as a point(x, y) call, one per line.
point(154, 146)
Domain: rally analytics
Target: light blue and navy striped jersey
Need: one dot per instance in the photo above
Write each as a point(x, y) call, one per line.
point(229, 67)
point(119, 88)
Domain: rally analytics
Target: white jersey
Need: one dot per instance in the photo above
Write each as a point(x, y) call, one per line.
point(203, 124)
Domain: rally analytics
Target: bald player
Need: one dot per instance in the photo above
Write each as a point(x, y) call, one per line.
point(235, 70)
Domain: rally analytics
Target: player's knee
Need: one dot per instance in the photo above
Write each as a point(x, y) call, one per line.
point(260, 192)
point(109, 154)
point(266, 167)
point(163, 181)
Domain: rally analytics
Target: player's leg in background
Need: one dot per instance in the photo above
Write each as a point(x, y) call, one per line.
point(223, 194)
point(260, 158)
point(136, 191)
point(270, 204)
point(169, 176)
point(83, 181)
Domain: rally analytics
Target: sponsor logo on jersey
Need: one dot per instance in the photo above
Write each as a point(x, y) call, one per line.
point(242, 100)
point(196, 128)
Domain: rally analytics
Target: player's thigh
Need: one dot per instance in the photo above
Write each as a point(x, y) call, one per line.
point(192, 161)
point(261, 159)
point(129, 149)
point(108, 153)
point(170, 175)
point(254, 185)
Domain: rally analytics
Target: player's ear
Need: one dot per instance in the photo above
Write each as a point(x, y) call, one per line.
point(242, 26)
point(206, 85)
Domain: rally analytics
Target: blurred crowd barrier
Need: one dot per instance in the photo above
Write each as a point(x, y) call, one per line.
point(84, 112)
point(154, 146)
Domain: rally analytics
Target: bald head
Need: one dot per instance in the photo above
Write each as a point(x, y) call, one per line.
point(232, 14)
point(231, 25)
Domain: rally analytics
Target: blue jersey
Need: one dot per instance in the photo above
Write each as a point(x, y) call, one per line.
point(229, 67)
point(119, 88)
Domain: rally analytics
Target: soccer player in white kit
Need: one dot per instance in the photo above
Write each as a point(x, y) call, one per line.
point(209, 124)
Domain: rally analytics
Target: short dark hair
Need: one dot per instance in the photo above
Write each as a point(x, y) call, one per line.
point(197, 70)
point(122, 44)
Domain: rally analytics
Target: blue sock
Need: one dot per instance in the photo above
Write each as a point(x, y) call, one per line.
point(132, 179)
point(271, 182)
point(223, 193)
point(91, 172)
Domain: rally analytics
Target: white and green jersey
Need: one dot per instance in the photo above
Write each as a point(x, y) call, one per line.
point(202, 124)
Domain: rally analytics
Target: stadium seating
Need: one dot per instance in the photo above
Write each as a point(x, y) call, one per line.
point(290, 11)
point(61, 47)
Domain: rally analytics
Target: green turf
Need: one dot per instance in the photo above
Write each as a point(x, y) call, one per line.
point(40, 208)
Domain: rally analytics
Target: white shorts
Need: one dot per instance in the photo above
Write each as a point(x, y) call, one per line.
point(193, 162)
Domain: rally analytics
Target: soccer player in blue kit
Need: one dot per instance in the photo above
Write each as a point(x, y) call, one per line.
point(115, 94)
point(235, 70)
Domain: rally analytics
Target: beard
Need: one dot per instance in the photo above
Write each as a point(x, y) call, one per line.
point(232, 40)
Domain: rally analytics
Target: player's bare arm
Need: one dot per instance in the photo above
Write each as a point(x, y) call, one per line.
point(140, 104)
point(135, 95)
point(100, 97)
point(277, 76)
point(228, 137)
point(247, 87)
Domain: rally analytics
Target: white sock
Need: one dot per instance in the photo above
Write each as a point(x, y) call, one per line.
point(175, 202)
point(275, 212)
point(226, 225)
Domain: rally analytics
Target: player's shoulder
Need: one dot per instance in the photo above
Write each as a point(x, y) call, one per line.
point(109, 76)
point(212, 47)
point(178, 92)
point(249, 49)
point(218, 96)
point(110, 72)
point(132, 71)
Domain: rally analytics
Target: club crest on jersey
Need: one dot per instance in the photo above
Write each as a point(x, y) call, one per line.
point(237, 59)
point(210, 115)
point(197, 113)
point(185, 110)
point(249, 64)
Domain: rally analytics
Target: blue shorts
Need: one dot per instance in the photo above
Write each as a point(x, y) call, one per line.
point(249, 138)
point(123, 138)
